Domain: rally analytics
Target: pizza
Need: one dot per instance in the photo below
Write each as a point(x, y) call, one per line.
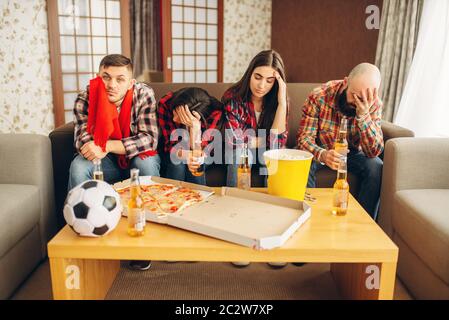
point(179, 199)
point(157, 190)
point(163, 199)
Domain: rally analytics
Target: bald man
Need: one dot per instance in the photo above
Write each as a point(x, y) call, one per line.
point(356, 98)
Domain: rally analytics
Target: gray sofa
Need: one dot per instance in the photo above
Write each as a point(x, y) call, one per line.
point(414, 212)
point(27, 214)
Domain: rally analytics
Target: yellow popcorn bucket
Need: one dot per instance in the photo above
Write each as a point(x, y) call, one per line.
point(288, 172)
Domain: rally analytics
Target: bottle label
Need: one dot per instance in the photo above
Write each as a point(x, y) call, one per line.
point(244, 180)
point(200, 160)
point(136, 218)
point(341, 199)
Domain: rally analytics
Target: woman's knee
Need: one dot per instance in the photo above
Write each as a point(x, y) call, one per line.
point(149, 166)
point(176, 171)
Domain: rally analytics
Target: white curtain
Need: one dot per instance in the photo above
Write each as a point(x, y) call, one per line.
point(424, 106)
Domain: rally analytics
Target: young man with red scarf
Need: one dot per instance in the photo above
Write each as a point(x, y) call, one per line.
point(115, 122)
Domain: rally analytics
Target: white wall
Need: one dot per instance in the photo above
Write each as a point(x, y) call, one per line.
point(26, 104)
point(247, 31)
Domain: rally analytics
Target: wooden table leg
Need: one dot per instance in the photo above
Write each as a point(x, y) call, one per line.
point(357, 281)
point(79, 279)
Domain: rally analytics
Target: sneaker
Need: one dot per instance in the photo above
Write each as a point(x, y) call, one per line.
point(241, 264)
point(298, 264)
point(140, 265)
point(277, 265)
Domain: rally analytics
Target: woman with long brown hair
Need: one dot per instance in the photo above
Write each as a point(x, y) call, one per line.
point(256, 110)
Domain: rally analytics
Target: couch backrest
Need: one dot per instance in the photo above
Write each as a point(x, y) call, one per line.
point(297, 92)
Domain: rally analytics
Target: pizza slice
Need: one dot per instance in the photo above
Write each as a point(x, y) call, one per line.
point(157, 190)
point(179, 199)
point(150, 203)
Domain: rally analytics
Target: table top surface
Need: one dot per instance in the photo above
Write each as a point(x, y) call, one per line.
point(353, 238)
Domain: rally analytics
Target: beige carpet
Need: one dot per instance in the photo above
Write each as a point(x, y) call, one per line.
point(201, 280)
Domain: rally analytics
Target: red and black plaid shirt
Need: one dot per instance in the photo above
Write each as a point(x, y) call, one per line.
point(167, 125)
point(241, 116)
point(321, 119)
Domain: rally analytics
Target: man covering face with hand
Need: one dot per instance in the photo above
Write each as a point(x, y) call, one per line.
point(356, 98)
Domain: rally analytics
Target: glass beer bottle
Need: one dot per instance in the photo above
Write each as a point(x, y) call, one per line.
point(98, 171)
point(244, 170)
point(341, 144)
point(136, 211)
point(341, 189)
point(197, 151)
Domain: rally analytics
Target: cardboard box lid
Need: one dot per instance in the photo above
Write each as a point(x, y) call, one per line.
point(248, 218)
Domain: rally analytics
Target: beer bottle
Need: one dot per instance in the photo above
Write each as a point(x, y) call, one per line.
point(341, 189)
point(341, 144)
point(98, 172)
point(136, 211)
point(197, 150)
point(244, 170)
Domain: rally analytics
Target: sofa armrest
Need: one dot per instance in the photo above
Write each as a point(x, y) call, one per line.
point(26, 159)
point(417, 163)
point(412, 163)
point(391, 130)
point(63, 151)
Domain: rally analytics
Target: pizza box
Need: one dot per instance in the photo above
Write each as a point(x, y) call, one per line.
point(251, 219)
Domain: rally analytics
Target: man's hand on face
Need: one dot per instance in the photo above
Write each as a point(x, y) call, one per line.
point(331, 158)
point(91, 151)
point(367, 100)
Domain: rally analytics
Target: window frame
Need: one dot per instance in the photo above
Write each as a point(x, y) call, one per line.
point(167, 50)
point(55, 53)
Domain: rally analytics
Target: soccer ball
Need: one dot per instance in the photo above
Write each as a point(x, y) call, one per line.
point(92, 208)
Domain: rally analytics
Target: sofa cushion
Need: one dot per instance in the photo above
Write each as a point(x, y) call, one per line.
point(421, 218)
point(19, 213)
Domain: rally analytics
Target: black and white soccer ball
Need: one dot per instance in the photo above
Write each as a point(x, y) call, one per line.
point(92, 208)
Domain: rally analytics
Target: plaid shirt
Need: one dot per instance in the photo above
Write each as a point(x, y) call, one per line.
point(320, 124)
point(167, 125)
point(241, 115)
point(144, 131)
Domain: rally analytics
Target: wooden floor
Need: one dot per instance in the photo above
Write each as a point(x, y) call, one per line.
point(200, 280)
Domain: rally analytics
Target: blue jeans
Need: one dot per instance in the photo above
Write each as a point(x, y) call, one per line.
point(181, 172)
point(233, 165)
point(81, 169)
point(368, 170)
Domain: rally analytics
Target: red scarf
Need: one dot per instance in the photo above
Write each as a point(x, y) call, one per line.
point(105, 123)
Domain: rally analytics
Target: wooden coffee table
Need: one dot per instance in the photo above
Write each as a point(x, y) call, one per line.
point(363, 259)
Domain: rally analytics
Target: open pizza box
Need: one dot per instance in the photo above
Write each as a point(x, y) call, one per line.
point(251, 219)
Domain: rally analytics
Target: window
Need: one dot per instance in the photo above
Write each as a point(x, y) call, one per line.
point(193, 41)
point(81, 33)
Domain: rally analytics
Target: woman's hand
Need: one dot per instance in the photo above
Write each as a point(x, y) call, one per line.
point(282, 92)
point(187, 118)
point(193, 163)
